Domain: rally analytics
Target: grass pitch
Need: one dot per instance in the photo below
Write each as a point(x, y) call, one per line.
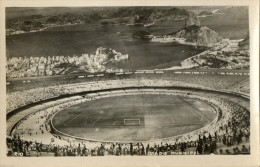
point(160, 116)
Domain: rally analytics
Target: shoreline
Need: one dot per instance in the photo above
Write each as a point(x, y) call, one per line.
point(40, 30)
point(186, 63)
point(192, 62)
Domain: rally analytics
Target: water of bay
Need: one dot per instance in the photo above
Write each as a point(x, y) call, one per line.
point(86, 38)
point(143, 54)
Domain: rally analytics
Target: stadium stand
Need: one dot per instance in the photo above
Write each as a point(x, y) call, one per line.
point(230, 133)
point(37, 100)
point(20, 94)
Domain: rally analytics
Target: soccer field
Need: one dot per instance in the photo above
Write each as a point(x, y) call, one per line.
point(160, 116)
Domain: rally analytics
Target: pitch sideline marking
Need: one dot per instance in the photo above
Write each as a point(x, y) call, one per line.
point(95, 121)
point(172, 118)
point(195, 114)
point(196, 110)
point(73, 119)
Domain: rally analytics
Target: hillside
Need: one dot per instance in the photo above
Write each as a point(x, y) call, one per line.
point(38, 22)
point(133, 16)
point(201, 35)
point(244, 45)
point(205, 13)
point(146, 15)
point(192, 19)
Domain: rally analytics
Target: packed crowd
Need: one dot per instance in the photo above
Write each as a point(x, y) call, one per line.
point(18, 147)
point(39, 90)
point(214, 81)
point(227, 134)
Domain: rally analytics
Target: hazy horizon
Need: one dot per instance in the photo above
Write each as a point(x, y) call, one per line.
point(14, 12)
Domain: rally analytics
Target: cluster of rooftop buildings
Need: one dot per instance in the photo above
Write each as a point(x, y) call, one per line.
point(167, 38)
point(225, 54)
point(52, 65)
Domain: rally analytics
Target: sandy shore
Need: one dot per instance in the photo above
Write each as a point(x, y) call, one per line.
point(42, 29)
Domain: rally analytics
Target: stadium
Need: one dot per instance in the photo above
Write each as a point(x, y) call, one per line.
point(131, 113)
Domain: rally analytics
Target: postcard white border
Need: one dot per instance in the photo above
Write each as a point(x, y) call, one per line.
point(158, 161)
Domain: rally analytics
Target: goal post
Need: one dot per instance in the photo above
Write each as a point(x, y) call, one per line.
point(132, 122)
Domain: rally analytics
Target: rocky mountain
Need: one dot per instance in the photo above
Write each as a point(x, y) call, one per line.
point(148, 15)
point(134, 16)
point(93, 18)
point(244, 45)
point(192, 19)
point(37, 22)
point(201, 35)
point(205, 13)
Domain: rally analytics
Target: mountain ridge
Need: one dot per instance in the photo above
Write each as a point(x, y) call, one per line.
point(134, 15)
point(201, 35)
